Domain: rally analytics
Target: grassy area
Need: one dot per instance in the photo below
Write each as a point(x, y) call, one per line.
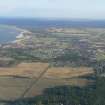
point(100, 56)
point(18, 78)
point(24, 70)
point(68, 72)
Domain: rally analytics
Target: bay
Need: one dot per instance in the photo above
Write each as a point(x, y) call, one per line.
point(8, 34)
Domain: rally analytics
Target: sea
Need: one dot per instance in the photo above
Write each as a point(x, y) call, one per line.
point(8, 34)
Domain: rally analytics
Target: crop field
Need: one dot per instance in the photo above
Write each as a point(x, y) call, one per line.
point(68, 72)
point(24, 70)
point(45, 83)
point(11, 88)
point(15, 80)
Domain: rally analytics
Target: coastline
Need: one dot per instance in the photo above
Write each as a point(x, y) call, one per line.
point(19, 36)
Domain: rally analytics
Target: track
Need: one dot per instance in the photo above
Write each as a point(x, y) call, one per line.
point(34, 82)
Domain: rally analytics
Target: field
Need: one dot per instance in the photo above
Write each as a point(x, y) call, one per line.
point(68, 72)
point(24, 70)
point(18, 78)
point(11, 88)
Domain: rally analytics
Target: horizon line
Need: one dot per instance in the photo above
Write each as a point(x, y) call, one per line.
point(53, 19)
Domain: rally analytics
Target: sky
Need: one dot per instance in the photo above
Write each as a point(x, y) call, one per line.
point(56, 9)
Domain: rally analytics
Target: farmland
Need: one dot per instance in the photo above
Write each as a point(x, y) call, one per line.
point(18, 78)
point(52, 58)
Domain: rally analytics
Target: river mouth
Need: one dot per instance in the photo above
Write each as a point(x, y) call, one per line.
point(8, 34)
